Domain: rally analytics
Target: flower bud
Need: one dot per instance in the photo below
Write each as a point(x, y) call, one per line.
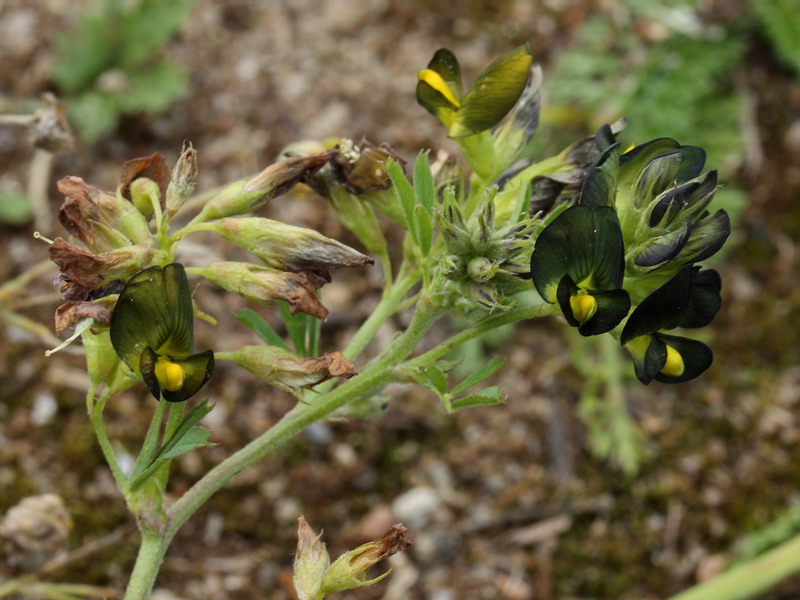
point(263, 285)
point(285, 370)
point(350, 569)
point(310, 562)
point(482, 269)
point(246, 196)
point(145, 194)
point(184, 178)
point(287, 247)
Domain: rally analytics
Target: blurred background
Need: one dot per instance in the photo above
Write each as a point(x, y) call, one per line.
point(585, 484)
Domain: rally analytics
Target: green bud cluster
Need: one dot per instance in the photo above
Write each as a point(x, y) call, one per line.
point(482, 261)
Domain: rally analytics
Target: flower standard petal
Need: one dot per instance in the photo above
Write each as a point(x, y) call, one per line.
point(584, 242)
point(154, 309)
point(705, 300)
point(494, 93)
point(665, 308)
point(152, 332)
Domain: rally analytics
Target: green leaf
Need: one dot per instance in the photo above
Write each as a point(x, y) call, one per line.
point(405, 194)
point(486, 371)
point(486, 397)
point(423, 182)
point(781, 22)
point(15, 209)
point(83, 54)
point(153, 88)
point(494, 93)
point(424, 225)
point(196, 437)
point(93, 114)
point(435, 375)
point(296, 327)
point(188, 434)
point(584, 242)
point(260, 327)
point(147, 27)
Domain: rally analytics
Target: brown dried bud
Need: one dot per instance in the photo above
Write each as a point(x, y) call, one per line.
point(283, 369)
point(90, 270)
point(350, 569)
point(263, 285)
point(34, 531)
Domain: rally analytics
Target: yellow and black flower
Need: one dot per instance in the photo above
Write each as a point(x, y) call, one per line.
point(152, 332)
point(578, 262)
point(690, 299)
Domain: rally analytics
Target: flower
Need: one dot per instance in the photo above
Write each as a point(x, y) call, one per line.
point(152, 332)
point(578, 262)
point(691, 298)
point(492, 96)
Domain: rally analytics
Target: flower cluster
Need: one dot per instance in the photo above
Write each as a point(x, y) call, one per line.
point(632, 239)
point(129, 251)
point(624, 230)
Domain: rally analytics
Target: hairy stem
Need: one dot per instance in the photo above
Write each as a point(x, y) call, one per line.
point(96, 416)
point(303, 415)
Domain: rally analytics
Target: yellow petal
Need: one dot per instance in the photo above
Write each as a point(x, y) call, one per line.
point(584, 306)
point(169, 374)
point(673, 366)
point(433, 79)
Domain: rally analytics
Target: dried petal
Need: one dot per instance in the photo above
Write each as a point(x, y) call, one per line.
point(152, 167)
point(70, 313)
point(90, 270)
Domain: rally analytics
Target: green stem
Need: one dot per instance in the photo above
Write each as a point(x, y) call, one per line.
point(386, 308)
point(96, 416)
point(511, 316)
point(303, 415)
point(174, 418)
point(151, 555)
point(752, 578)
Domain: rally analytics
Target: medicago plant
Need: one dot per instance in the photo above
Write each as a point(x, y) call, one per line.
point(609, 238)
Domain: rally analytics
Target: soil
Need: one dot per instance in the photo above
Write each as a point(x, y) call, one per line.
point(501, 502)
